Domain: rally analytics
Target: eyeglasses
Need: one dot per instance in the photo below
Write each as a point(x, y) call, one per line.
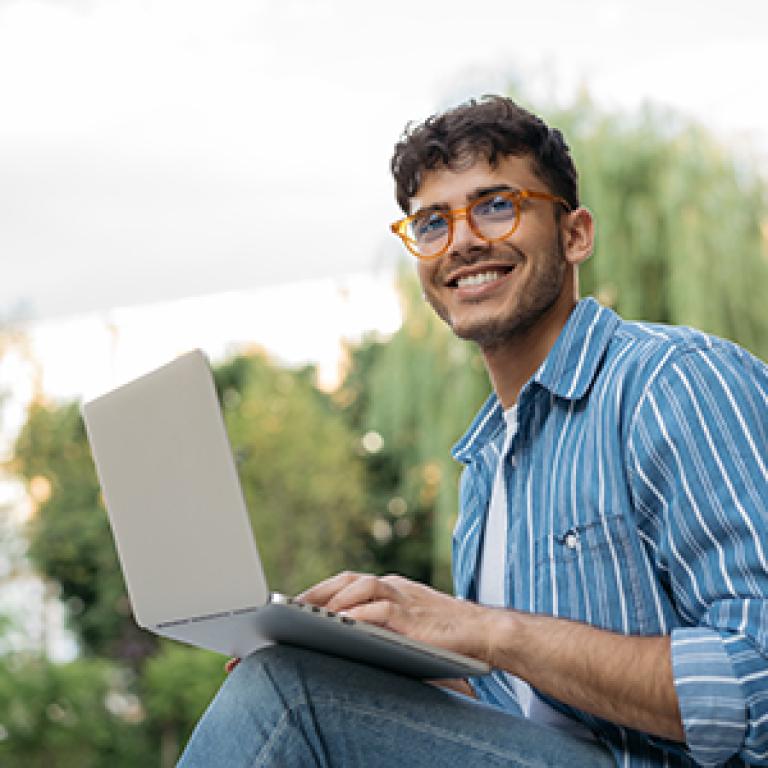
point(428, 234)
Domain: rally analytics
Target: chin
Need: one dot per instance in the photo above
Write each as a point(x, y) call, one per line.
point(488, 334)
point(493, 332)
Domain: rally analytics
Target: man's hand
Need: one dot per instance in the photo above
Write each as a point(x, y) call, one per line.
point(409, 608)
point(625, 679)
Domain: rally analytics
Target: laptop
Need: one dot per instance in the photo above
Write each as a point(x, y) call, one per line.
point(184, 538)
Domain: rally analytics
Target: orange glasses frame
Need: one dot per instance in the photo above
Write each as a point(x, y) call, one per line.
point(399, 227)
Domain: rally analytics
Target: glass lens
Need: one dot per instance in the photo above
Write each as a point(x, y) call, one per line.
point(429, 231)
point(495, 215)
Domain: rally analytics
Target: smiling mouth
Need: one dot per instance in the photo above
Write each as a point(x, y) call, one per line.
point(480, 278)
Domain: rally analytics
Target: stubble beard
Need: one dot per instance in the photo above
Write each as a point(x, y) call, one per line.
point(536, 298)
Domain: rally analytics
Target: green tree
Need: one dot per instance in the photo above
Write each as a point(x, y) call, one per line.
point(681, 222)
point(176, 686)
point(300, 472)
point(76, 715)
point(70, 541)
point(424, 387)
point(400, 538)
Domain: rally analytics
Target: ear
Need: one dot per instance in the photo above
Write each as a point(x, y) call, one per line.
point(577, 230)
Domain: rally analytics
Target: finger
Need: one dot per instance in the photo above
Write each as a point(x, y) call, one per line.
point(382, 613)
point(231, 664)
point(407, 587)
point(321, 593)
point(366, 589)
point(395, 579)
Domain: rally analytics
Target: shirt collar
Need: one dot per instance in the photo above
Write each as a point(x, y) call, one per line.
point(567, 371)
point(571, 365)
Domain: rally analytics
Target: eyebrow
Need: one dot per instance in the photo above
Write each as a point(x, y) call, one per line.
point(482, 191)
point(471, 197)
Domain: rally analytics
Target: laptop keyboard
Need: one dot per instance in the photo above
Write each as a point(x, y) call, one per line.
point(322, 611)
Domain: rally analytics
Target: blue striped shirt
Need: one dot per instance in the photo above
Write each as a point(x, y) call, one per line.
point(638, 502)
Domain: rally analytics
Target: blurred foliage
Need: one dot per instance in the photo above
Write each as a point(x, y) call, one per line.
point(682, 222)
point(302, 480)
point(70, 540)
point(423, 388)
point(363, 478)
point(403, 532)
point(176, 686)
point(75, 715)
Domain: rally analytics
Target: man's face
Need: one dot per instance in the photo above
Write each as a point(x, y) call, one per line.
point(515, 281)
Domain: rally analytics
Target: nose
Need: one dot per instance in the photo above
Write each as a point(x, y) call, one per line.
point(464, 237)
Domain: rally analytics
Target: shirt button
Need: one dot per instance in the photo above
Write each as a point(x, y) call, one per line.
point(571, 540)
point(512, 461)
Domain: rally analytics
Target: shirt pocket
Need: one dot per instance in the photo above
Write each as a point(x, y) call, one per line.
point(592, 571)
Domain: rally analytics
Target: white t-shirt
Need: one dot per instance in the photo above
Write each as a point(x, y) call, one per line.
point(492, 586)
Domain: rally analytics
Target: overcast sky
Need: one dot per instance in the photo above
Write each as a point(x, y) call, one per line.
point(157, 150)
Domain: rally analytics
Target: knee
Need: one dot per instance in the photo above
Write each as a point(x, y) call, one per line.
point(278, 659)
point(248, 708)
point(294, 674)
point(274, 662)
point(264, 682)
point(289, 661)
point(278, 670)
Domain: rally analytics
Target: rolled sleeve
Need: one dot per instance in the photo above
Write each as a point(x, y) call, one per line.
point(700, 445)
point(712, 703)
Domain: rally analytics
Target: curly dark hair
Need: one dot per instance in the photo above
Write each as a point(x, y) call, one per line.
point(492, 128)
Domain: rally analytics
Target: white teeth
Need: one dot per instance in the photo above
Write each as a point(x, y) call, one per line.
point(483, 277)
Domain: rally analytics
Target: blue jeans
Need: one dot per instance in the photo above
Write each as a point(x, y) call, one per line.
point(291, 708)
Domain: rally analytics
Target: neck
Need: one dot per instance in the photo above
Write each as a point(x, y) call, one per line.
point(511, 364)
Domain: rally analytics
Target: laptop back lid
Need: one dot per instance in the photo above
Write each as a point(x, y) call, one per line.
point(173, 496)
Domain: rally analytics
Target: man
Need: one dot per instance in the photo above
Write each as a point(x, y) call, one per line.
point(608, 557)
